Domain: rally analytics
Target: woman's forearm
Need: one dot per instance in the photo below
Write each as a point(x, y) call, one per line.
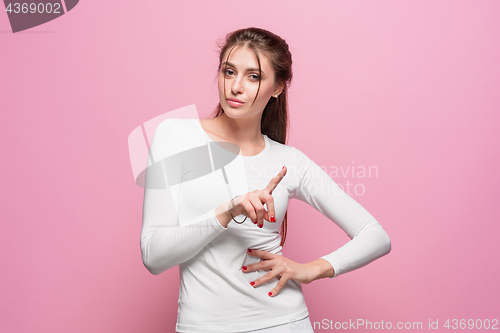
point(165, 246)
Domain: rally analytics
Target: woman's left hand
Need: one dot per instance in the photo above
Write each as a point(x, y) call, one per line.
point(280, 266)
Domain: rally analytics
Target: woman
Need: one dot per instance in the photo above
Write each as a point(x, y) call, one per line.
point(233, 277)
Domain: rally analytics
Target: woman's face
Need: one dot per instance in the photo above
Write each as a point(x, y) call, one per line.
point(241, 76)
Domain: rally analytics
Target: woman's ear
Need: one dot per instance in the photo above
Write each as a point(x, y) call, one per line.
point(278, 90)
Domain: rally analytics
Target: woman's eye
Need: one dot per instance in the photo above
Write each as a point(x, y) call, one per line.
point(229, 72)
point(254, 77)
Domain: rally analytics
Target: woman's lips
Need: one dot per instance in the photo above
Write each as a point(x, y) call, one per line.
point(235, 103)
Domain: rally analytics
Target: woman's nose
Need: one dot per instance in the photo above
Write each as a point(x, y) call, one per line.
point(236, 86)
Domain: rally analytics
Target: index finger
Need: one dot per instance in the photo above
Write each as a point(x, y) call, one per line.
point(275, 181)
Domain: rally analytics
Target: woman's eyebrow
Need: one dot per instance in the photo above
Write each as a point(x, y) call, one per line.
point(248, 69)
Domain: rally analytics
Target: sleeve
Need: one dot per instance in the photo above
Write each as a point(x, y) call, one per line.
point(369, 241)
point(164, 242)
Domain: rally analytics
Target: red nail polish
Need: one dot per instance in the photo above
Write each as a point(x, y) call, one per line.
point(249, 250)
point(244, 268)
point(273, 219)
point(282, 168)
point(252, 283)
point(270, 293)
point(261, 225)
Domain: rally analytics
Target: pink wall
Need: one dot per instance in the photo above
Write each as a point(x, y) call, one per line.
point(410, 87)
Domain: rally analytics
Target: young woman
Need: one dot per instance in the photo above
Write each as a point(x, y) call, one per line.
point(220, 213)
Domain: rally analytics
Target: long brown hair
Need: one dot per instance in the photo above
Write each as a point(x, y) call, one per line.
point(274, 122)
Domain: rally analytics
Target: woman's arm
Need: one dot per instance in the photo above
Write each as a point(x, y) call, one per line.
point(369, 241)
point(164, 243)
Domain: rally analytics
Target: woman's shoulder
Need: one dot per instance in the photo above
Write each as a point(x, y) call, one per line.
point(281, 146)
point(297, 155)
point(288, 150)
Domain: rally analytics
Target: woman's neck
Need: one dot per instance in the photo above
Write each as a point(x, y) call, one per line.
point(242, 131)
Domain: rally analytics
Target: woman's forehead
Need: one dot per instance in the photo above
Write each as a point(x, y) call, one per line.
point(243, 56)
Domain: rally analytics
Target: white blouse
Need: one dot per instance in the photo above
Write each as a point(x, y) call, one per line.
point(180, 228)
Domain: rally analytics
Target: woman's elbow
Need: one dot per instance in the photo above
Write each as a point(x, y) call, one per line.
point(156, 265)
point(153, 269)
point(381, 241)
point(149, 261)
point(386, 244)
point(148, 257)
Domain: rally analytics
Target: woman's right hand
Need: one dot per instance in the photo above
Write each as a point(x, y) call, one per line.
point(252, 204)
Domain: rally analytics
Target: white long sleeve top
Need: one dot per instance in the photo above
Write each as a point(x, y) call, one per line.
point(180, 227)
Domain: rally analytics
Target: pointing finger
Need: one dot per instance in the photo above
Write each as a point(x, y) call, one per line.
point(275, 181)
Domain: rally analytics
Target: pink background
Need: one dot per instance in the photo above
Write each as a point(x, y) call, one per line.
point(411, 87)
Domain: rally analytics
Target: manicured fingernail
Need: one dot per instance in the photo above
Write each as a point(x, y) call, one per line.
point(273, 219)
point(252, 283)
point(249, 250)
point(261, 225)
point(244, 268)
point(282, 168)
point(270, 293)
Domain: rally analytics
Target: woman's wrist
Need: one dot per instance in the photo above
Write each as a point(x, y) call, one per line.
point(320, 268)
point(235, 209)
point(223, 215)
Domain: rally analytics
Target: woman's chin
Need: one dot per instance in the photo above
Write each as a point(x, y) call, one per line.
point(233, 112)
